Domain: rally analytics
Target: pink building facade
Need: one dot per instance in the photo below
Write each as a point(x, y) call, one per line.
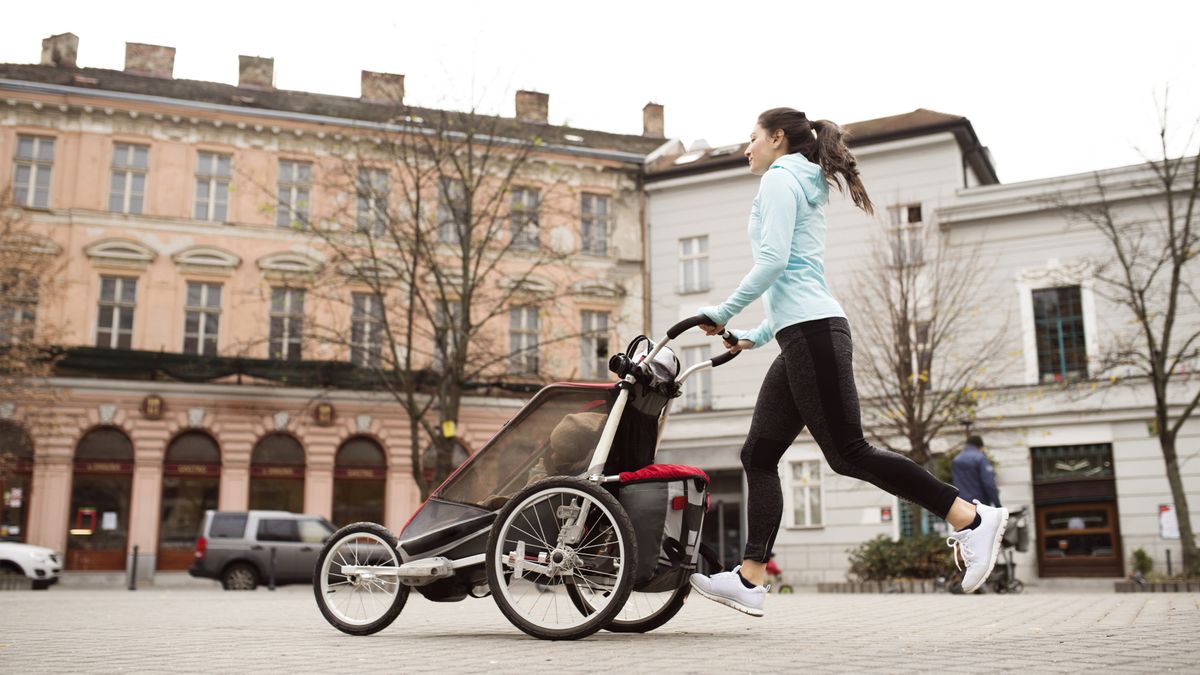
point(159, 199)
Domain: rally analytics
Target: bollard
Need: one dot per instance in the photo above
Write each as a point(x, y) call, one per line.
point(271, 577)
point(133, 569)
point(1169, 562)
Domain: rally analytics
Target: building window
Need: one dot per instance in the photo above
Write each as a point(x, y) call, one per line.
point(1072, 462)
point(213, 172)
point(1059, 332)
point(451, 211)
point(523, 217)
point(31, 171)
point(373, 194)
point(366, 330)
point(127, 191)
point(523, 339)
point(449, 325)
point(697, 391)
point(930, 524)
point(595, 224)
point(295, 183)
point(693, 264)
point(18, 310)
point(594, 331)
point(114, 325)
point(907, 235)
point(202, 318)
point(806, 494)
point(287, 323)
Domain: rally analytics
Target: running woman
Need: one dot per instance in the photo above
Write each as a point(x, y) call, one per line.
point(811, 382)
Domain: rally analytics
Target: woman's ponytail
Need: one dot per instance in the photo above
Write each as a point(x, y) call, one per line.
point(823, 143)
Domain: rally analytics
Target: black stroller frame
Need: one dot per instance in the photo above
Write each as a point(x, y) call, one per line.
point(554, 547)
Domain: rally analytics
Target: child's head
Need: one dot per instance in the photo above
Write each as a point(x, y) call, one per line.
point(573, 440)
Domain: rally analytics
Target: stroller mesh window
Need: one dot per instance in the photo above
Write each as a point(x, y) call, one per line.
point(522, 453)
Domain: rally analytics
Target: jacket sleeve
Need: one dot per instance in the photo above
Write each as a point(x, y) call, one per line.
point(759, 336)
point(987, 478)
point(779, 196)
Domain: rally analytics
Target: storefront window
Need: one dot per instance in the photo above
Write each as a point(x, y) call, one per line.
point(16, 474)
point(277, 474)
point(359, 481)
point(191, 483)
point(98, 523)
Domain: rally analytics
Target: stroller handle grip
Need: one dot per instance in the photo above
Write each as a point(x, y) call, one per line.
point(723, 358)
point(686, 325)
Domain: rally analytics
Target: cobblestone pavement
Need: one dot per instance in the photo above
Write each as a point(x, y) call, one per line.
point(194, 630)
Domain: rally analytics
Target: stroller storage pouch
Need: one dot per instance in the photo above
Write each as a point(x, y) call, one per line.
point(667, 503)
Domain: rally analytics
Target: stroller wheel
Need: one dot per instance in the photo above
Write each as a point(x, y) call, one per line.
point(355, 579)
point(571, 538)
point(1016, 586)
point(642, 612)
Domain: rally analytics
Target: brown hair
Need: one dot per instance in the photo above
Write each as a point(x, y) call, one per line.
point(823, 143)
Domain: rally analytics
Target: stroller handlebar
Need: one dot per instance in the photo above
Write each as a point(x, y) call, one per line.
point(686, 325)
point(723, 358)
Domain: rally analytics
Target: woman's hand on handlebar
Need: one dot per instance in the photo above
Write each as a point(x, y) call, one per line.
point(741, 344)
point(710, 329)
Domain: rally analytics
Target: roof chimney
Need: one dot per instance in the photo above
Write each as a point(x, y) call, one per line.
point(652, 121)
point(382, 87)
point(533, 106)
point(60, 50)
point(152, 60)
point(256, 72)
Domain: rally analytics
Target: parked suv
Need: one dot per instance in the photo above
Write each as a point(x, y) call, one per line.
point(235, 547)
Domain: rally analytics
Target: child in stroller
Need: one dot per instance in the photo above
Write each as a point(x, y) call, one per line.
point(567, 453)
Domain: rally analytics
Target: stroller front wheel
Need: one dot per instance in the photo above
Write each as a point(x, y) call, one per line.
point(355, 579)
point(556, 540)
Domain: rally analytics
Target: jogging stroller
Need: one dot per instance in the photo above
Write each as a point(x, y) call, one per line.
point(562, 517)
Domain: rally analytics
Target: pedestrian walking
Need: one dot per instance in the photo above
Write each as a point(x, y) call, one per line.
point(973, 475)
point(811, 383)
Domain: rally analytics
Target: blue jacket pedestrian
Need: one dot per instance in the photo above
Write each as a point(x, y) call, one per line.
point(972, 473)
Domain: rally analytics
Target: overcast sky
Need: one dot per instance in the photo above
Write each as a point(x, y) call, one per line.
point(1051, 87)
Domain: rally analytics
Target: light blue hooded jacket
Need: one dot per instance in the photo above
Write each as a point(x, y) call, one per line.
point(787, 236)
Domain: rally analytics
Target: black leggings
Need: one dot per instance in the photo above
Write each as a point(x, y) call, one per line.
point(811, 384)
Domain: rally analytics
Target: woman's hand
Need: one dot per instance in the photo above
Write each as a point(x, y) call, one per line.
point(741, 344)
point(710, 329)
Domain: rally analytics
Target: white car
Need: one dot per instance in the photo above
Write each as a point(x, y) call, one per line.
point(41, 565)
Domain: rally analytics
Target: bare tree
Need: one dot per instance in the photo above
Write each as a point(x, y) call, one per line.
point(28, 265)
point(1149, 270)
point(922, 366)
point(443, 237)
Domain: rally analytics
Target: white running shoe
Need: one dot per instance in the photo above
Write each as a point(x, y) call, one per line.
point(980, 546)
point(727, 588)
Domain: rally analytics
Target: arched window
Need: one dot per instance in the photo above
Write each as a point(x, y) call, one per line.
point(359, 480)
point(102, 482)
point(277, 474)
point(16, 477)
point(191, 484)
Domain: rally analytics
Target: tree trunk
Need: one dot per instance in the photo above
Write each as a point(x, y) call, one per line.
point(1191, 565)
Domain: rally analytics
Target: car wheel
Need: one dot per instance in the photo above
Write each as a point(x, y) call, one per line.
point(12, 578)
point(239, 577)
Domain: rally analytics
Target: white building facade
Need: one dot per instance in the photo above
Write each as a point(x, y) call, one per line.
point(1082, 456)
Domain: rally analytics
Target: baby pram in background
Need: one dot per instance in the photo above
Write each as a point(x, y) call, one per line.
point(1003, 578)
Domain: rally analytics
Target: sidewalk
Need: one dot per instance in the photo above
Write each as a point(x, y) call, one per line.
point(194, 630)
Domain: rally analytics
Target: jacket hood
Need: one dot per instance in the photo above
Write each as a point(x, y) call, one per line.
point(809, 175)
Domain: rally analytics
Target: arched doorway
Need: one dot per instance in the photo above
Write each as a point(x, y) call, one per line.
point(101, 484)
point(277, 474)
point(16, 477)
point(191, 483)
point(359, 479)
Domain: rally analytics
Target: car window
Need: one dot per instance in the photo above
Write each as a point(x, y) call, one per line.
point(276, 529)
point(227, 526)
point(313, 531)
